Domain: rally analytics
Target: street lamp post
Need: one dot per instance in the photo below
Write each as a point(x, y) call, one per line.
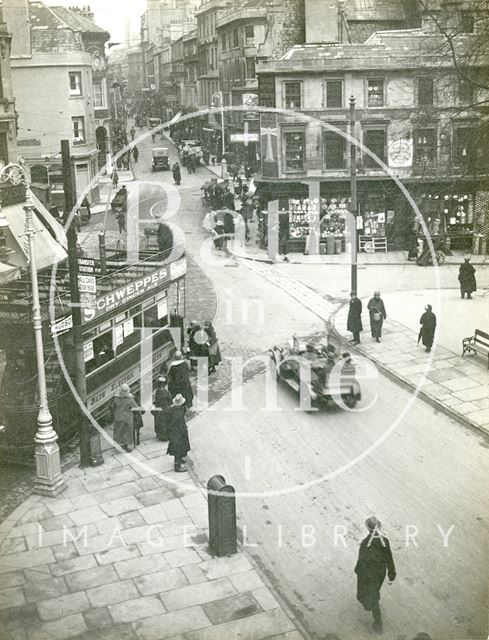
point(353, 196)
point(49, 480)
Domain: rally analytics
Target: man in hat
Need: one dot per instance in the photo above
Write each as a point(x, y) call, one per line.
point(121, 409)
point(354, 323)
point(162, 403)
point(466, 278)
point(178, 445)
point(179, 379)
point(376, 308)
point(374, 561)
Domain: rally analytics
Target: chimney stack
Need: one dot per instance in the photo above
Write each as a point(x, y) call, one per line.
point(322, 21)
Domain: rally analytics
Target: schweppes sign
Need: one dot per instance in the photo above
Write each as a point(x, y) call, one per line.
point(118, 298)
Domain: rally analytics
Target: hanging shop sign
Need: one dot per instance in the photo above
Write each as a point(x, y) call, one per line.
point(250, 102)
point(269, 144)
point(400, 153)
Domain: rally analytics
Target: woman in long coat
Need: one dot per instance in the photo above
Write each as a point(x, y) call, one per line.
point(122, 404)
point(177, 176)
point(178, 445)
point(466, 277)
point(213, 346)
point(354, 322)
point(377, 312)
point(428, 326)
point(163, 400)
point(179, 379)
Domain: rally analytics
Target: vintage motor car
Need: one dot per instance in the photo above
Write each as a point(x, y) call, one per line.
point(160, 159)
point(318, 370)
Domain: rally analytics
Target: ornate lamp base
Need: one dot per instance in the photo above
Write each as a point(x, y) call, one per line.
point(49, 481)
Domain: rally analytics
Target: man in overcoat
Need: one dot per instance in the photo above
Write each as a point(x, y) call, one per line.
point(374, 562)
point(466, 277)
point(178, 445)
point(354, 323)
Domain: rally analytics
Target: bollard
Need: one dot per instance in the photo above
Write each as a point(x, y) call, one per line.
point(222, 516)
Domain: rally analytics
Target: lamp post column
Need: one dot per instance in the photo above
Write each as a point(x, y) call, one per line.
point(353, 198)
point(49, 480)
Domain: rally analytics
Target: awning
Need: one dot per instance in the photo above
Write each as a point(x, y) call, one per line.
point(8, 272)
point(48, 250)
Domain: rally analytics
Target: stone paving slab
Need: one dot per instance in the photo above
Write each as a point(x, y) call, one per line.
point(452, 383)
point(129, 561)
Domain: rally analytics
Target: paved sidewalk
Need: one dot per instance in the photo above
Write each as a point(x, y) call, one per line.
point(123, 553)
point(456, 385)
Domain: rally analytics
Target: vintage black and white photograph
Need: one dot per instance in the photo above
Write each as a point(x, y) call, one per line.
point(244, 319)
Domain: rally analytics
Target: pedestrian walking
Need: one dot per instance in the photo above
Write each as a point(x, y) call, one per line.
point(115, 178)
point(153, 137)
point(428, 326)
point(179, 379)
point(121, 409)
point(214, 352)
point(133, 132)
point(177, 176)
point(178, 445)
point(377, 312)
point(239, 233)
point(354, 322)
point(466, 278)
point(121, 221)
point(135, 153)
point(374, 561)
point(162, 403)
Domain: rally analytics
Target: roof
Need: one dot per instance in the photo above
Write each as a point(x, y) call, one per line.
point(53, 17)
point(377, 10)
point(409, 48)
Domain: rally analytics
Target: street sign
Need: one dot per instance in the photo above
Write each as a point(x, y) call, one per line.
point(87, 284)
point(244, 137)
point(89, 266)
point(61, 326)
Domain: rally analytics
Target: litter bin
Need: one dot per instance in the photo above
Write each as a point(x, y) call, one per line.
point(330, 245)
point(221, 506)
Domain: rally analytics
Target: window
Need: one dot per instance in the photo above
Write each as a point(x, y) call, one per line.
point(294, 150)
point(223, 42)
point(333, 150)
point(375, 92)
point(334, 94)
point(465, 90)
point(374, 139)
point(235, 38)
point(75, 83)
point(98, 95)
point(249, 35)
point(292, 92)
point(467, 22)
point(464, 146)
point(78, 129)
point(424, 147)
point(250, 68)
point(425, 92)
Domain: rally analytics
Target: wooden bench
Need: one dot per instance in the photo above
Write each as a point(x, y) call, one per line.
point(478, 343)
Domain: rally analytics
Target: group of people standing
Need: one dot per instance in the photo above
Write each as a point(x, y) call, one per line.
point(172, 399)
point(376, 308)
point(378, 314)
